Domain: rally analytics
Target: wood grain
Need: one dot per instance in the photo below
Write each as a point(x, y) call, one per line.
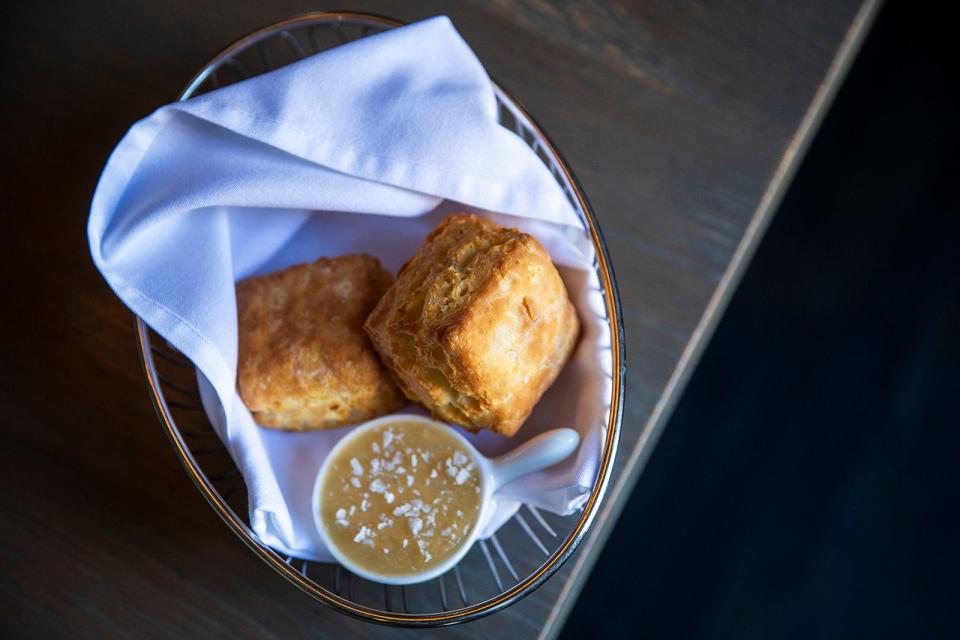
point(682, 121)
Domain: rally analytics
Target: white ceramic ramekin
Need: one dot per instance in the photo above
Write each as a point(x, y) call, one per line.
point(542, 451)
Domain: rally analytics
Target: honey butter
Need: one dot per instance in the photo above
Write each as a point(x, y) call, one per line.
point(400, 498)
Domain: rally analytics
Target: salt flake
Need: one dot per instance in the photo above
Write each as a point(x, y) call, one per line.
point(415, 524)
point(356, 466)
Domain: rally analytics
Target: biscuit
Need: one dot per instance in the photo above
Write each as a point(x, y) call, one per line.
point(304, 361)
point(477, 325)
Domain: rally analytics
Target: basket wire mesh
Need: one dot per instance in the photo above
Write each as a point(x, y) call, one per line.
point(497, 571)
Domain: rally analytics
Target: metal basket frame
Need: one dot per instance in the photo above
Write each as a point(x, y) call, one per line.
point(194, 446)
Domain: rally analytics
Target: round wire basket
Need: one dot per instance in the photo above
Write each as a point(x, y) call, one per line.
point(496, 572)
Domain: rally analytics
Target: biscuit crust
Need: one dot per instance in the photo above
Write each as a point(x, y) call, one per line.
point(477, 325)
point(304, 361)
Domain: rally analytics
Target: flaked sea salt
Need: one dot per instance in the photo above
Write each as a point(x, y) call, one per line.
point(364, 534)
point(423, 549)
point(415, 524)
point(388, 437)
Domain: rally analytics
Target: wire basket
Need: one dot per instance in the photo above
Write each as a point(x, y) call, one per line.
point(496, 572)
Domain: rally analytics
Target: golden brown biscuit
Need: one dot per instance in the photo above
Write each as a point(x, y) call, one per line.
point(304, 360)
point(478, 324)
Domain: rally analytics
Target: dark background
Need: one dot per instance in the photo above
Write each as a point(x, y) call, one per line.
point(808, 483)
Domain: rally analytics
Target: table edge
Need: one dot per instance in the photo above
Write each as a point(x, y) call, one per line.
point(620, 487)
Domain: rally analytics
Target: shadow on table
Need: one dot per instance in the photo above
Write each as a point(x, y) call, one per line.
point(808, 484)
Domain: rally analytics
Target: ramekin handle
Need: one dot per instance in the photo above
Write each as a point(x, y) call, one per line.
point(543, 451)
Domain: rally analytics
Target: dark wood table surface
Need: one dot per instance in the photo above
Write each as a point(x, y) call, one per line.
point(683, 120)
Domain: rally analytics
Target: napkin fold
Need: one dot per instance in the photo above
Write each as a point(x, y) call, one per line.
point(362, 148)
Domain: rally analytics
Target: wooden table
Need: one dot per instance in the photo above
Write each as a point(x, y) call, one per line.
point(684, 122)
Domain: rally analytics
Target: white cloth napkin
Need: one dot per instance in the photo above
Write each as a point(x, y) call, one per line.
point(363, 148)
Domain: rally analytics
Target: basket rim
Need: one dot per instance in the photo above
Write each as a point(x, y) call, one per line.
point(618, 351)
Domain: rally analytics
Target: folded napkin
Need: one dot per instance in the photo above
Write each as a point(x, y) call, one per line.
point(362, 148)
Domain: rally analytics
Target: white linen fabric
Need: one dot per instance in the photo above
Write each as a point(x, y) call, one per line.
point(363, 148)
